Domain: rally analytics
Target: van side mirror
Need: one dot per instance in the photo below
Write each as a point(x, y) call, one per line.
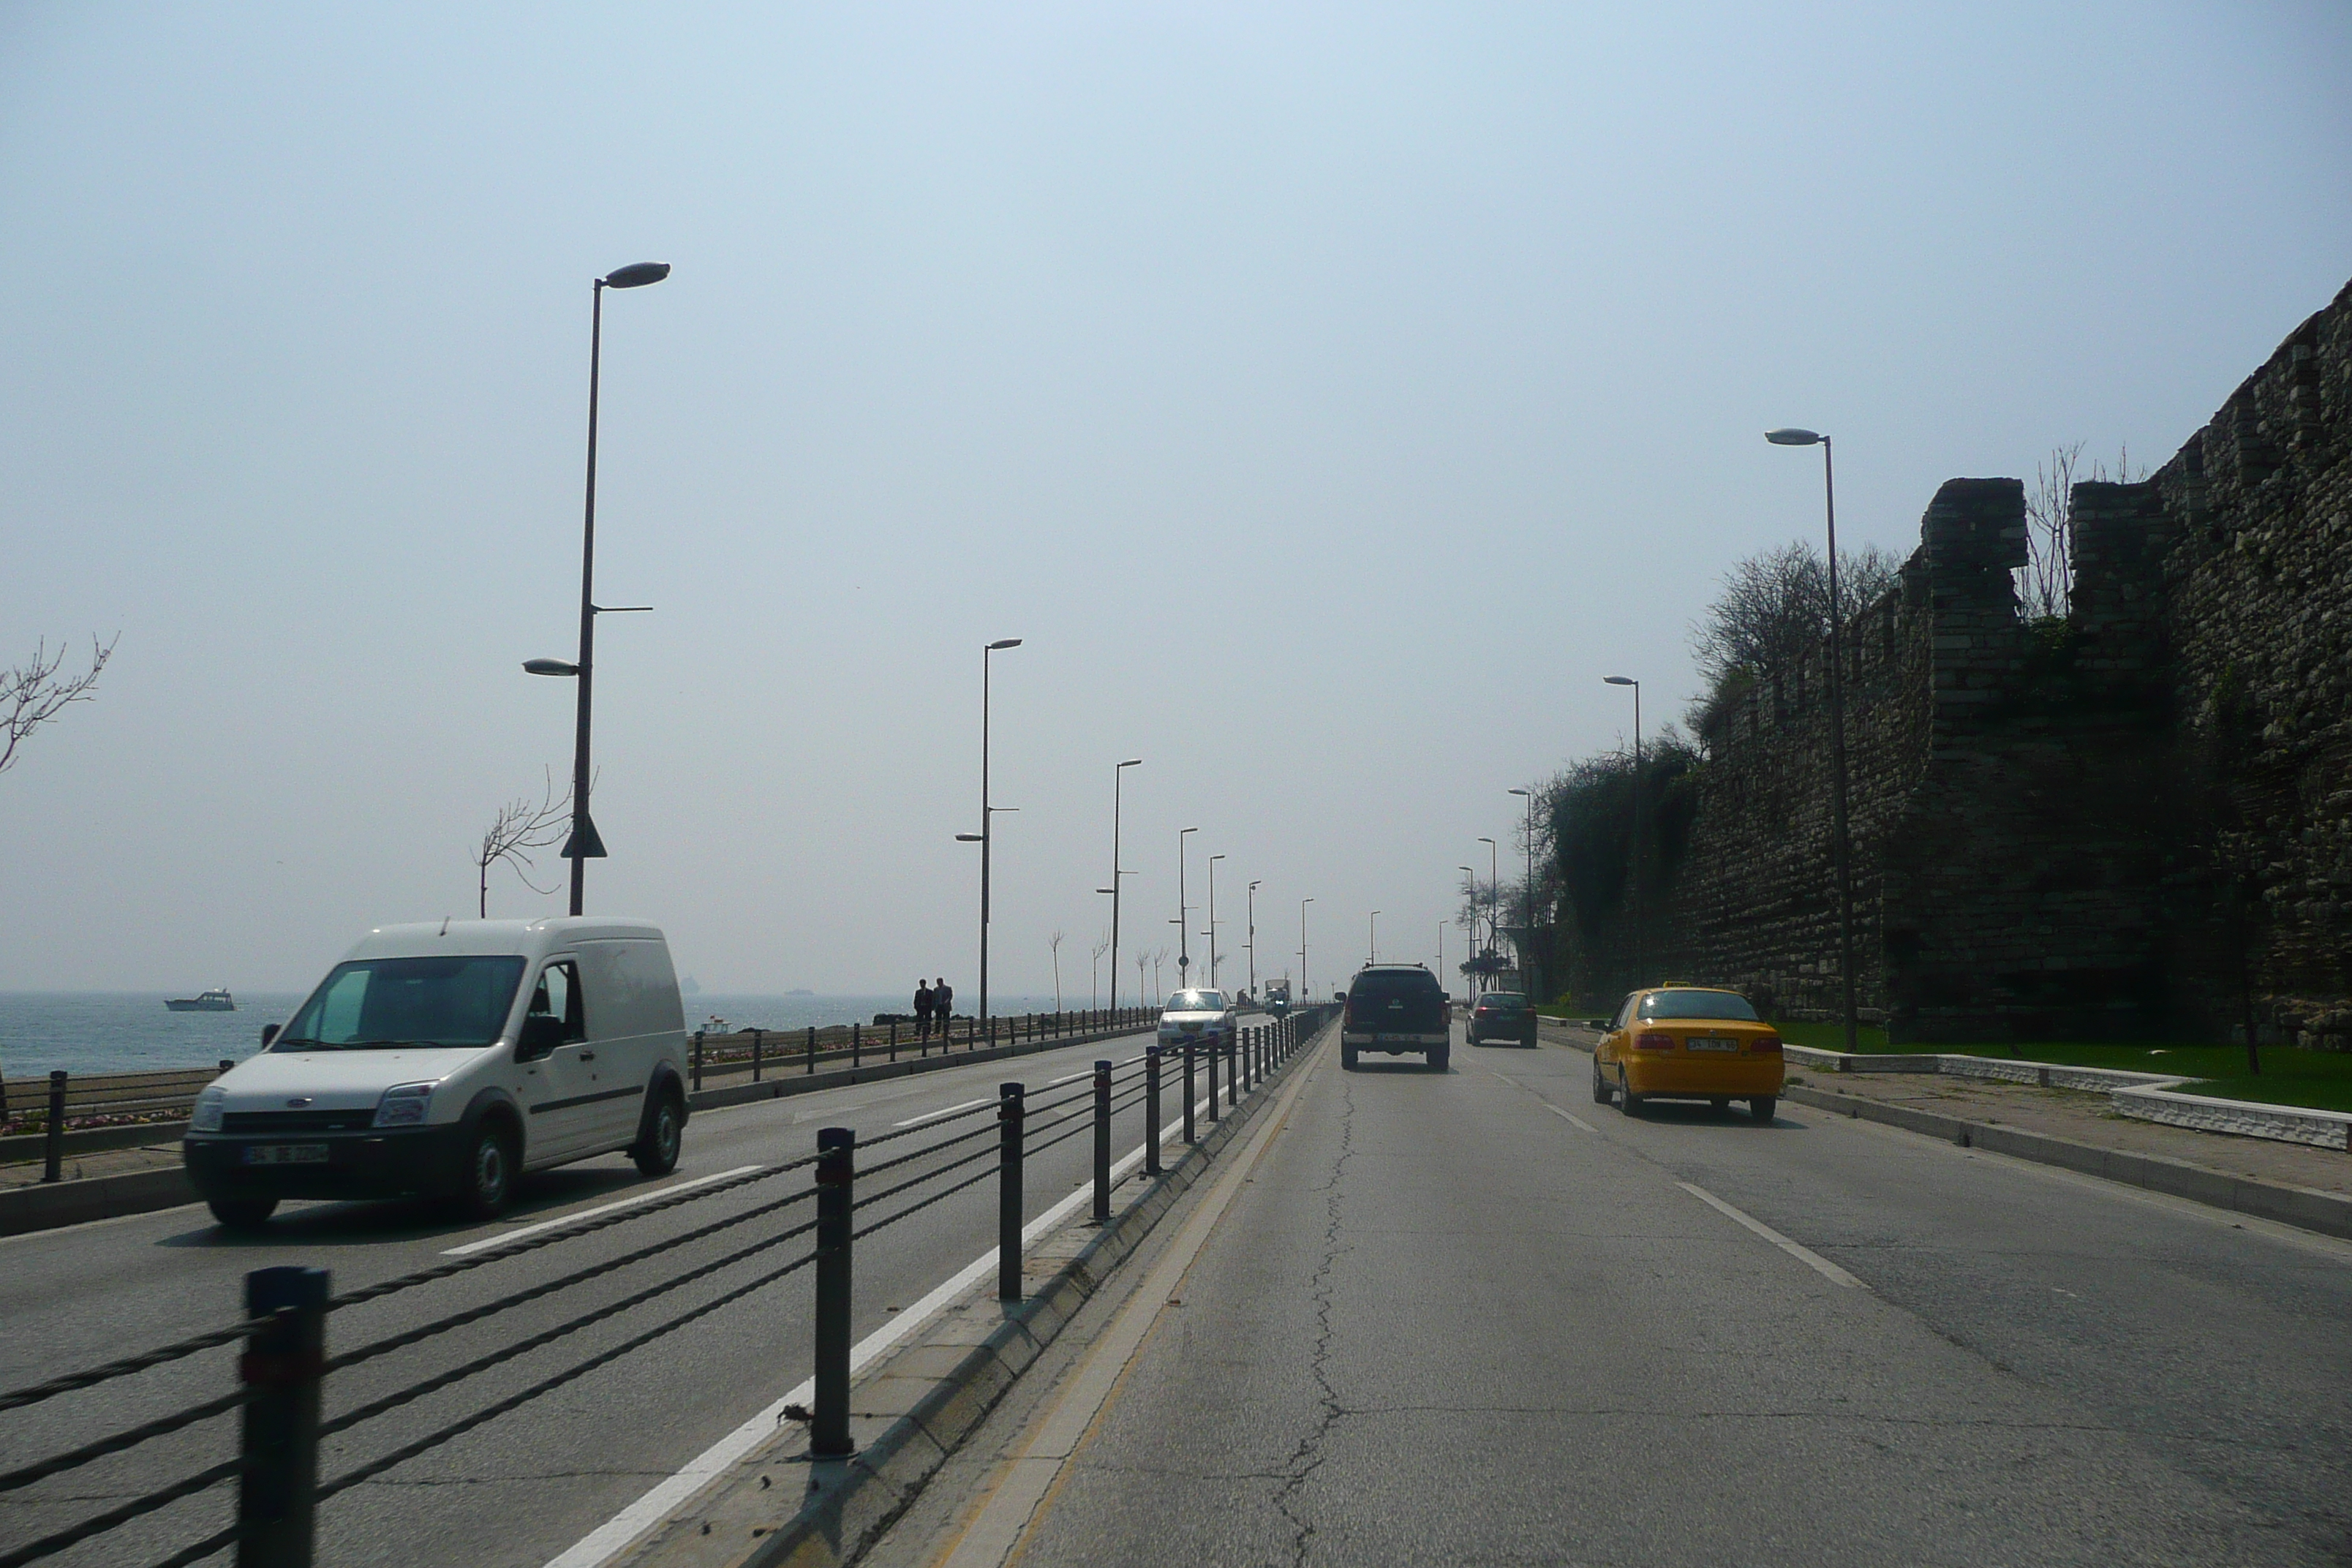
point(268, 1033)
point(541, 1035)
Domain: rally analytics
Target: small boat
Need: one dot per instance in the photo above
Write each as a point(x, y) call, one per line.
point(216, 1000)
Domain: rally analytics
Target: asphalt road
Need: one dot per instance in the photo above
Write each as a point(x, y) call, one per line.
point(526, 1486)
point(1477, 1317)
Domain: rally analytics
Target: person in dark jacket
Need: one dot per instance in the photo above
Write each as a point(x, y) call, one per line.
point(924, 1001)
point(943, 1003)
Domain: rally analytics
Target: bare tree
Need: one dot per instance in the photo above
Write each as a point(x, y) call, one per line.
point(1102, 945)
point(1775, 608)
point(1055, 941)
point(519, 828)
point(1140, 959)
point(33, 694)
point(2045, 584)
point(1158, 959)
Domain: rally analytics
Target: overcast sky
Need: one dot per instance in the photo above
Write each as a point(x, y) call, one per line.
point(1329, 395)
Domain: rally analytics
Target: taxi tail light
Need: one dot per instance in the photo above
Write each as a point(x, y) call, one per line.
point(1655, 1040)
point(1768, 1046)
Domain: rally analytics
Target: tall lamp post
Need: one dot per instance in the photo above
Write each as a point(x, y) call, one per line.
point(1183, 914)
point(1117, 777)
point(1527, 897)
point(1252, 943)
point(585, 844)
point(1304, 991)
point(1842, 848)
point(1375, 938)
point(1212, 933)
point(1474, 909)
point(1635, 853)
point(987, 823)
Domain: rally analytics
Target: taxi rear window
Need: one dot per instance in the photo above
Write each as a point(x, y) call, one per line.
point(1699, 1004)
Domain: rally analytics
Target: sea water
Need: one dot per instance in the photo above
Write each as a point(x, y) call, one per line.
point(132, 1031)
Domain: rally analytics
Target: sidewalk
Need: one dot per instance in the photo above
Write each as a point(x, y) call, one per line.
point(99, 1162)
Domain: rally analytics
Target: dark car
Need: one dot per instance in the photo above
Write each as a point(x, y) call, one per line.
point(1396, 1008)
point(1502, 1016)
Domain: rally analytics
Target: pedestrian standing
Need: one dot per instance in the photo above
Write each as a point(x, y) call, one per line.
point(924, 1001)
point(943, 1003)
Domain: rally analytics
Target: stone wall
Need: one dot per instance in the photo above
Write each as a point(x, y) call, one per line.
point(2136, 822)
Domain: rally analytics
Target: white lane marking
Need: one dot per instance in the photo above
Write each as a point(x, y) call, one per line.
point(1571, 1120)
point(608, 1540)
point(950, 1110)
point(630, 1202)
point(1803, 1255)
point(1512, 1082)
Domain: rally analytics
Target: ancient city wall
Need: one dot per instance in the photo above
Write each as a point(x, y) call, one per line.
point(2136, 822)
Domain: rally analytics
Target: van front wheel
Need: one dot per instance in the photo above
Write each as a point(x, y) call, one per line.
point(665, 1131)
point(242, 1214)
point(487, 1183)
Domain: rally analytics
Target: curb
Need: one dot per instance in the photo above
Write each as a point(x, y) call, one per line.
point(24, 1148)
point(2329, 1214)
point(46, 1206)
point(850, 1503)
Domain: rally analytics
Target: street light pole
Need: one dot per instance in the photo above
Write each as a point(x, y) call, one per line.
point(1305, 991)
point(585, 845)
point(1253, 938)
point(1527, 899)
point(1118, 778)
point(1635, 854)
point(1183, 915)
point(987, 817)
point(1375, 938)
point(1841, 847)
point(1212, 917)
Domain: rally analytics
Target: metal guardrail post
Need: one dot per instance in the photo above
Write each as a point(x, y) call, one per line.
point(1009, 1110)
point(855, 1059)
point(812, 1050)
point(1151, 1110)
point(1102, 1143)
point(53, 1167)
point(697, 1063)
point(836, 1168)
point(755, 1055)
point(1189, 1135)
point(1233, 1073)
point(894, 1040)
point(278, 1440)
point(1215, 1116)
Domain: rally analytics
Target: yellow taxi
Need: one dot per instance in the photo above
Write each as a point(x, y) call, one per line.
point(1688, 1042)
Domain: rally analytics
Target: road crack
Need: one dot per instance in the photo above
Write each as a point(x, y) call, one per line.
point(1308, 1456)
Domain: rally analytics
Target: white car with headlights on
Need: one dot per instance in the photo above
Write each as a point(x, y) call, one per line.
point(443, 1060)
point(1198, 1019)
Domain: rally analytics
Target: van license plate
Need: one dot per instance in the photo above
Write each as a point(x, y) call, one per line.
point(1712, 1043)
point(286, 1154)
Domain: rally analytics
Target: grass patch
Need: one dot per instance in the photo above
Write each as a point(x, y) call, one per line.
point(2319, 1080)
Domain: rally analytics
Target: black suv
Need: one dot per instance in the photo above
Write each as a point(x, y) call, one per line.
point(1396, 1008)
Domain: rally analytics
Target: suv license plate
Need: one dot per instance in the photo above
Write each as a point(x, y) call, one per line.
point(1712, 1043)
point(286, 1154)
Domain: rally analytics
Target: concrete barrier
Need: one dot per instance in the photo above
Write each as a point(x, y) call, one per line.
point(45, 1206)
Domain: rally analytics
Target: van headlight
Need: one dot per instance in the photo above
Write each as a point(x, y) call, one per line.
point(211, 1106)
point(402, 1105)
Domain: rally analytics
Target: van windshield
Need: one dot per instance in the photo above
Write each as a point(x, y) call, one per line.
point(378, 1003)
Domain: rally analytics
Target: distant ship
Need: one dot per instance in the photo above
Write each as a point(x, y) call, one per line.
point(216, 1000)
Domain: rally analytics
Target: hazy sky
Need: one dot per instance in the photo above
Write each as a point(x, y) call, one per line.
point(1331, 395)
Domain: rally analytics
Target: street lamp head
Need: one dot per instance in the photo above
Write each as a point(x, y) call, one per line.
point(1486, 841)
point(549, 666)
point(1619, 680)
point(1132, 763)
point(1187, 830)
point(636, 275)
point(1793, 437)
point(1259, 883)
point(1213, 858)
point(967, 838)
point(1003, 643)
point(1529, 793)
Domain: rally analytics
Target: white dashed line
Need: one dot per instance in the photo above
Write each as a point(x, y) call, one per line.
point(1571, 1120)
point(630, 1202)
point(950, 1110)
point(1803, 1255)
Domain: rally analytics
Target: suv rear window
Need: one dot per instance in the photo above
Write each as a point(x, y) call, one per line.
point(1503, 999)
point(1394, 982)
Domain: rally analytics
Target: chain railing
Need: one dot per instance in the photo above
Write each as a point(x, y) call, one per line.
point(282, 1372)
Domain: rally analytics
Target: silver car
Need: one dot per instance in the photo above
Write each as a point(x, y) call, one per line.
point(1201, 1018)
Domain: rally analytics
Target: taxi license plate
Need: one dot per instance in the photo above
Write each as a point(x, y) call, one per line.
point(286, 1154)
point(1712, 1043)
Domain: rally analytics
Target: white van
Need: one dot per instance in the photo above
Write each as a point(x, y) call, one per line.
point(445, 1059)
